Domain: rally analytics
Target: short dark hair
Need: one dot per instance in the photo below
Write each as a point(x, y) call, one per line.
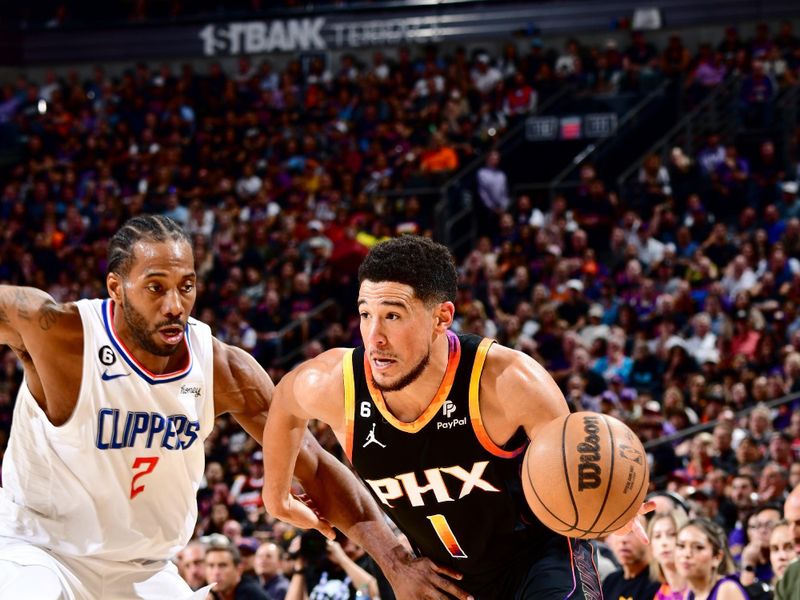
point(424, 265)
point(150, 228)
point(232, 550)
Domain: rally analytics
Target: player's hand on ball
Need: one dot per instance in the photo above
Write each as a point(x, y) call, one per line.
point(415, 578)
point(635, 524)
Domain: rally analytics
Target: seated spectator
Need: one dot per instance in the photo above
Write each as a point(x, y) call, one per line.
point(702, 558)
point(269, 572)
point(520, 99)
point(755, 556)
point(191, 564)
point(484, 75)
point(632, 579)
point(745, 338)
point(723, 455)
point(709, 72)
point(440, 158)
point(779, 450)
point(615, 362)
point(773, 483)
point(222, 566)
point(663, 531)
point(781, 549)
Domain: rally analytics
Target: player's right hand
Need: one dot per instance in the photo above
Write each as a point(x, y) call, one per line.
point(415, 578)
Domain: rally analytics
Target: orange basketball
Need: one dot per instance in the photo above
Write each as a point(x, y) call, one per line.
point(585, 475)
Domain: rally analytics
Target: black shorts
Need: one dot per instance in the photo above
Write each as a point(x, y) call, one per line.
point(558, 569)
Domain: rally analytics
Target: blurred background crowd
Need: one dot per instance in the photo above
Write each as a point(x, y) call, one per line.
point(671, 304)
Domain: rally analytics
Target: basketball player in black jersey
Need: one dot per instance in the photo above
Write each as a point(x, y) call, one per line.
point(435, 424)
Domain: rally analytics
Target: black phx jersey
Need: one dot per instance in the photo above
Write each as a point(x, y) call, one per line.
point(451, 490)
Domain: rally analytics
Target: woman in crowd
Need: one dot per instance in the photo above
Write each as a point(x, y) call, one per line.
point(702, 558)
point(663, 531)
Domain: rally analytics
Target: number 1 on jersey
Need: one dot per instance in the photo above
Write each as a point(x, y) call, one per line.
point(149, 462)
point(442, 529)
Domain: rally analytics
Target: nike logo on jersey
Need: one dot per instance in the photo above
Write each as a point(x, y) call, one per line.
point(406, 484)
point(108, 377)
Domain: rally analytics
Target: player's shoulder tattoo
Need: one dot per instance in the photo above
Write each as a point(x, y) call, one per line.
point(49, 313)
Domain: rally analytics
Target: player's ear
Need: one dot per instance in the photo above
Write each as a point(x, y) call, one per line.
point(445, 311)
point(114, 287)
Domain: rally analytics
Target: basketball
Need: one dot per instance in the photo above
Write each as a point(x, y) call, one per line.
point(585, 475)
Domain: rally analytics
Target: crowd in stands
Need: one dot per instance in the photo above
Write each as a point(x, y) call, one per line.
point(673, 304)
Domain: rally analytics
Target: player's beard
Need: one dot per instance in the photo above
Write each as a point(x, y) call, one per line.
point(141, 333)
point(406, 379)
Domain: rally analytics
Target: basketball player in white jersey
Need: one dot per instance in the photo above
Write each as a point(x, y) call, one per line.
point(106, 450)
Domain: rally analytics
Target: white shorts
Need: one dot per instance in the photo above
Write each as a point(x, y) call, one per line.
point(28, 571)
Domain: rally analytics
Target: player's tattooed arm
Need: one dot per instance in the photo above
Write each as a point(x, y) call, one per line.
point(26, 312)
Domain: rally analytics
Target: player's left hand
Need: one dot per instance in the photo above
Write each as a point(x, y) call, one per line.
point(419, 578)
point(635, 524)
point(301, 512)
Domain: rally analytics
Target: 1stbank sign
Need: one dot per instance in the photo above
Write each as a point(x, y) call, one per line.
point(292, 35)
point(253, 37)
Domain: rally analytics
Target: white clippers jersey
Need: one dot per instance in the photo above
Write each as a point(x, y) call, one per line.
point(119, 479)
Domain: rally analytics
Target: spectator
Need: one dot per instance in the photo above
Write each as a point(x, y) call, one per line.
point(520, 99)
point(440, 158)
point(781, 549)
point(703, 344)
point(268, 570)
point(615, 362)
point(757, 94)
point(702, 558)
point(663, 531)
point(248, 546)
point(632, 580)
point(787, 587)
point(723, 456)
point(191, 564)
point(485, 76)
point(493, 193)
point(222, 566)
point(755, 556)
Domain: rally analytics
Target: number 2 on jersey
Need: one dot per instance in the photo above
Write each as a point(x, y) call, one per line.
point(149, 462)
point(442, 529)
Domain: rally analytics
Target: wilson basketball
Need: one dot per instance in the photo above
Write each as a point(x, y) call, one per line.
point(585, 475)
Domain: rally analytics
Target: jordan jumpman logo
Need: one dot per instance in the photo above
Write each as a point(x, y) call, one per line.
point(371, 439)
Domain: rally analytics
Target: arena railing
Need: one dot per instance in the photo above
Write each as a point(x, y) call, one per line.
point(787, 112)
point(716, 113)
point(285, 355)
point(596, 150)
point(701, 427)
point(448, 206)
point(454, 214)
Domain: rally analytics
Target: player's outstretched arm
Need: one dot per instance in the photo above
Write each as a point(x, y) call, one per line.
point(315, 389)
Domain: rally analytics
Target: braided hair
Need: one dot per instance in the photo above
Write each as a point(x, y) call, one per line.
point(149, 228)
